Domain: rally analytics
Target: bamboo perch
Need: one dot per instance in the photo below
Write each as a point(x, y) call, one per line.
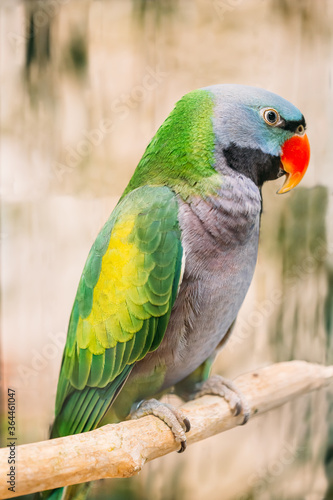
point(121, 450)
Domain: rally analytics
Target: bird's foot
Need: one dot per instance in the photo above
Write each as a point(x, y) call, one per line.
point(175, 419)
point(220, 386)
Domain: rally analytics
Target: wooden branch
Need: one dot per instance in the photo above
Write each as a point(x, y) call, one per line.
point(121, 450)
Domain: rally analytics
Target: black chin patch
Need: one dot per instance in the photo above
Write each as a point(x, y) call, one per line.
point(253, 163)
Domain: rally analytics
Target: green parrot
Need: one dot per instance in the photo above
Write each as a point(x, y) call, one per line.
point(168, 272)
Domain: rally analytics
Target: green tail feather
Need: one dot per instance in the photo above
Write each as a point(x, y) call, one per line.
point(49, 494)
point(75, 492)
point(82, 412)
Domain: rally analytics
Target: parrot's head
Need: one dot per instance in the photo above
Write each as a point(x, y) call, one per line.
point(260, 134)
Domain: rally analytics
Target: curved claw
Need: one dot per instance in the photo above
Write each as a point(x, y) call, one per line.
point(246, 418)
point(238, 409)
point(220, 386)
point(183, 447)
point(187, 425)
point(174, 418)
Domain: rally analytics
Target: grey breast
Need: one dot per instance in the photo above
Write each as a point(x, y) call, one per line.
point(220, 241)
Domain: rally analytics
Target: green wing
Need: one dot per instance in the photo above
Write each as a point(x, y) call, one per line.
point(122, 307)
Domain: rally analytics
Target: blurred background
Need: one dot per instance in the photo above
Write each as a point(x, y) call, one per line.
point(84, 86)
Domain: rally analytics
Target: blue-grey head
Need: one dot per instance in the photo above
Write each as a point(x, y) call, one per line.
point(259, 134)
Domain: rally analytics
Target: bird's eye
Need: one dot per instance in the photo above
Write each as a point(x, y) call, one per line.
point(300, 130)
point(271, 116)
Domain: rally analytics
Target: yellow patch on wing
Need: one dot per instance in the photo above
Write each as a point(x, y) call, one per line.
point(124, 271)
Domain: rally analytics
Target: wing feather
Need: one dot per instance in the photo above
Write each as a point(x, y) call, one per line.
point(122, 307)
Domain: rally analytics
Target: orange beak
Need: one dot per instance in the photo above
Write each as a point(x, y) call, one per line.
point(295, 159)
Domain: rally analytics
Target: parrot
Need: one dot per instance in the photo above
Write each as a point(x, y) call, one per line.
point(167, 274)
